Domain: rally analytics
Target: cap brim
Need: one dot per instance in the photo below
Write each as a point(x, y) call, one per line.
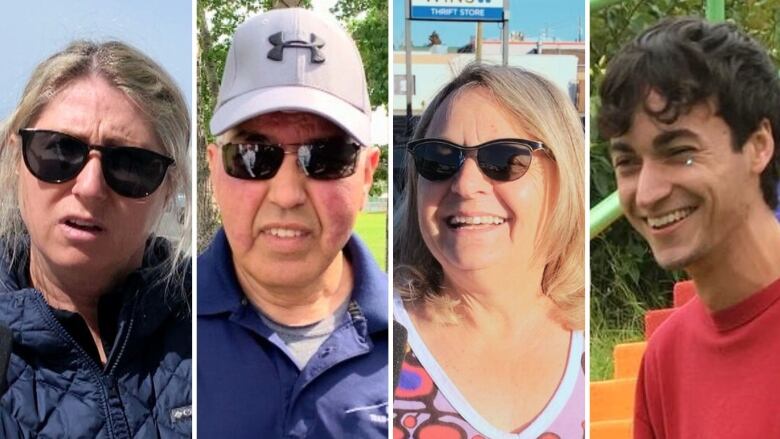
point(293, 98)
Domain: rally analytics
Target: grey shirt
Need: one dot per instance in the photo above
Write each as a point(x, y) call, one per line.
point(303, 341)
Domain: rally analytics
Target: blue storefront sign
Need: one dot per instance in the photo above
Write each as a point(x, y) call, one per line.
point(457, 10)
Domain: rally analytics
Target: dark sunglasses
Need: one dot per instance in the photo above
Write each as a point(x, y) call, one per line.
point(129, 171)
point(324, 159)
point(500, 160)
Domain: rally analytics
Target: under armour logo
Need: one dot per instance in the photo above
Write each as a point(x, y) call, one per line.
point(277, 52)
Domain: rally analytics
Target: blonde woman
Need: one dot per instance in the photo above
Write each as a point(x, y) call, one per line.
point(488, 247)
point(94, 305)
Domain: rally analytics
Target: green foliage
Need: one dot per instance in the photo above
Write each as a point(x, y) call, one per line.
point(612, 27)
point(367, 22)
point(625, 280)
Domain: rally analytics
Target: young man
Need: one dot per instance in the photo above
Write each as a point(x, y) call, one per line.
point(292, 310)
point(692, 113)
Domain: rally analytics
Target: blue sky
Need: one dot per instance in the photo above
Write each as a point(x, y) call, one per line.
point(33, 30)
point(528, 16)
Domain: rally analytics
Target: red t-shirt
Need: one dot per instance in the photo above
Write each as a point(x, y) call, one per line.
point(713, 375)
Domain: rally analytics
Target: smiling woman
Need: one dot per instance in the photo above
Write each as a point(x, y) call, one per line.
point(96, 304)
point(489, 262)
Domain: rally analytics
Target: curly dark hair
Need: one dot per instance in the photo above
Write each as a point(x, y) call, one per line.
point(689, 61)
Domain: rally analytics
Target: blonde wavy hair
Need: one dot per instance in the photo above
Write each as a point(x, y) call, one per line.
point(548, 114)
point(147, 85)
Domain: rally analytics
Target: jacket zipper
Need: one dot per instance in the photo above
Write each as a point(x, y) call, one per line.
point(124, 344)
point(99, 372)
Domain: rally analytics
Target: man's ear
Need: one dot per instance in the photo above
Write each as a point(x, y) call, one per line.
point(211, 155)
point(372, 161)
point(760, 147)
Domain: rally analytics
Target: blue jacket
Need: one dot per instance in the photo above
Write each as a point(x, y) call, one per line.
point(248, 385)
point(57, 390)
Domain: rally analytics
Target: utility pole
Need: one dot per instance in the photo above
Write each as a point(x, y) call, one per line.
point(408, 46)
point(478, 43)
point(505, 35)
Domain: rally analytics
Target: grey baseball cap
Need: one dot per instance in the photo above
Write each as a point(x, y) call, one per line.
point(294, 60)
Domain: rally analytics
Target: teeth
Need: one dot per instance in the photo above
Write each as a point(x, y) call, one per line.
point(475, 220)
point(83, 224)
point(284, 233)
point(669, 218)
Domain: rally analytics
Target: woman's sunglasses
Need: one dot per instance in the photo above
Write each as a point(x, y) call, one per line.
point(324, 159)
point(500, 160)
point(129, 171)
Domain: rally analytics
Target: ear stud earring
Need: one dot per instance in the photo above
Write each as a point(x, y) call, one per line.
point(689, 162)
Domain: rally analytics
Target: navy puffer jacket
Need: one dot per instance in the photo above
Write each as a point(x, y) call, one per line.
point(57, 390)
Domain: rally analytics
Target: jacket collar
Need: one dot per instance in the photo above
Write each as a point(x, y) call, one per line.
point(219, 291)
point(154, 299)
point(147, 302)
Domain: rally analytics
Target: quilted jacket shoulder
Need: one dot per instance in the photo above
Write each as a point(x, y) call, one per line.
point(55, 389)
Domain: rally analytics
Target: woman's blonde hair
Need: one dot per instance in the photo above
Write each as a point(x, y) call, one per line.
point(147, 85)
point(546, 112)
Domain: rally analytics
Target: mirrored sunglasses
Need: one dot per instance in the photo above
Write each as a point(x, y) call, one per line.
point(325, 159)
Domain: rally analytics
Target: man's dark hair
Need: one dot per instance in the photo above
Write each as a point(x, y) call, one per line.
point(690, 61)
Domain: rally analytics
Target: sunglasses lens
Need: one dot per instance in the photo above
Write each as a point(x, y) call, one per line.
point(504, 161)
point(52, 157)
point(329, 160)
point(129, 171)
point(500, 160)
point(133, 172)
point(436, 161)
point(252, 162)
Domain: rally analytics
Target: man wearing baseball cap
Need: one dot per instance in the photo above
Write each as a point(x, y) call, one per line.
point(292, 309)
